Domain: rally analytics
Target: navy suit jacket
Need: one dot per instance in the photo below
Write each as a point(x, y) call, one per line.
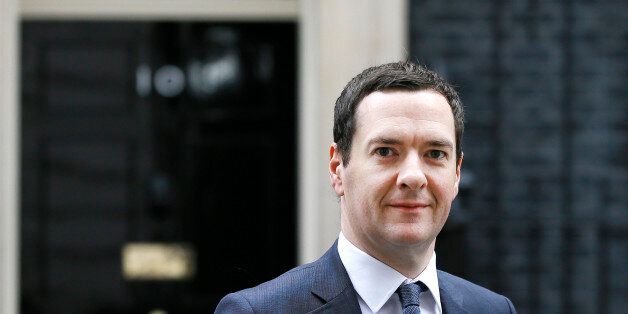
point(324, 286)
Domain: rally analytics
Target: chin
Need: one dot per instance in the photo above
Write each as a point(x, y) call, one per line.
point(409, 237)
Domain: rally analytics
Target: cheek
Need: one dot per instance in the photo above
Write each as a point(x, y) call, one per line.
point(367, 192)
point(443, 185)
point(379, 185)
point(370, 181)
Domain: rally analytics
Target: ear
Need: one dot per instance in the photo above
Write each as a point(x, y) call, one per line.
point(336, 170)
point(458, 168)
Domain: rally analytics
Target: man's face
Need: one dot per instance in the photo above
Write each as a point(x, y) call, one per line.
point(397, 188)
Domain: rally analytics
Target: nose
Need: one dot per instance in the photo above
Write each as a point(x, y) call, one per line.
point(411, 175)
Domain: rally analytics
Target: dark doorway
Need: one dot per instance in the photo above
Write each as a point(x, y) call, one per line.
point(155, 133)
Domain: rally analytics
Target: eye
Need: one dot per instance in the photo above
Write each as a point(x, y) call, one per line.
point(436, 154)
point(383, 151)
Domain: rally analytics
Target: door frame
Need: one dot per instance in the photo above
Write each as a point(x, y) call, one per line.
point(336, 40)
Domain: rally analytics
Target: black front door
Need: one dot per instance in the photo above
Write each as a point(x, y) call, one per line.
point(155, 133)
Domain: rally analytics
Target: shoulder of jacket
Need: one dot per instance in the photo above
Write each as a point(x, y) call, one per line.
point(473, 293)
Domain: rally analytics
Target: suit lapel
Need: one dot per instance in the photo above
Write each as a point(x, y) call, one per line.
point(345, 302)
point(333, 286)
point(450, 298)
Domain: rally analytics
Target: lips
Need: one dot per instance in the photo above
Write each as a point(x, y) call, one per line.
point(409, 205)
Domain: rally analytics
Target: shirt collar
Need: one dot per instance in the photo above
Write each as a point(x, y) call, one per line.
point(375, 281)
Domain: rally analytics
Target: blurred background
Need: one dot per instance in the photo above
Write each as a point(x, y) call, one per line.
point(155, 156)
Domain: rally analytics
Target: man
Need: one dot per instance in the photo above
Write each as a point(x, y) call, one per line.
point(395, 166)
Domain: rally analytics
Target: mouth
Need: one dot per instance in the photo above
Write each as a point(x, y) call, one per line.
point(409, 206)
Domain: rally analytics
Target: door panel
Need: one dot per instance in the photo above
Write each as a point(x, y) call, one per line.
point(154, 133)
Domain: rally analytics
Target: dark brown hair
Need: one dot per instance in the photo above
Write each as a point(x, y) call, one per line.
point(403, 75)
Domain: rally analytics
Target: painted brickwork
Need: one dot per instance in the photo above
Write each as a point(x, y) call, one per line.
point(545, 204)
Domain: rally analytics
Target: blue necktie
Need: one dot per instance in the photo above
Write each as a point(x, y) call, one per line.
point(409, 297)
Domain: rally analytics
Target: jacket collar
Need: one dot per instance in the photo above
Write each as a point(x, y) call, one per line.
point(450, 298)
point(333, 286)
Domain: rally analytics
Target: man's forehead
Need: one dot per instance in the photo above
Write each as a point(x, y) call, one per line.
point(420, 104)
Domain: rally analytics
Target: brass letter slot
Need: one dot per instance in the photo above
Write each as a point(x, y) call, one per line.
point(158, 261)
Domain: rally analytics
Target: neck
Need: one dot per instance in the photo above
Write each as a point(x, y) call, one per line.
point(409, 261)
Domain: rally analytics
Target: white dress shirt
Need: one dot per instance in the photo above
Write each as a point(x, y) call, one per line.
point(376, 282)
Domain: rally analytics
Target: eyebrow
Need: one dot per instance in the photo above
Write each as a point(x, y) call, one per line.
point(383, 140)
point(440, 143)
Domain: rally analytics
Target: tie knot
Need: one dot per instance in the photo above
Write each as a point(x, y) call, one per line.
point(409, 294)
